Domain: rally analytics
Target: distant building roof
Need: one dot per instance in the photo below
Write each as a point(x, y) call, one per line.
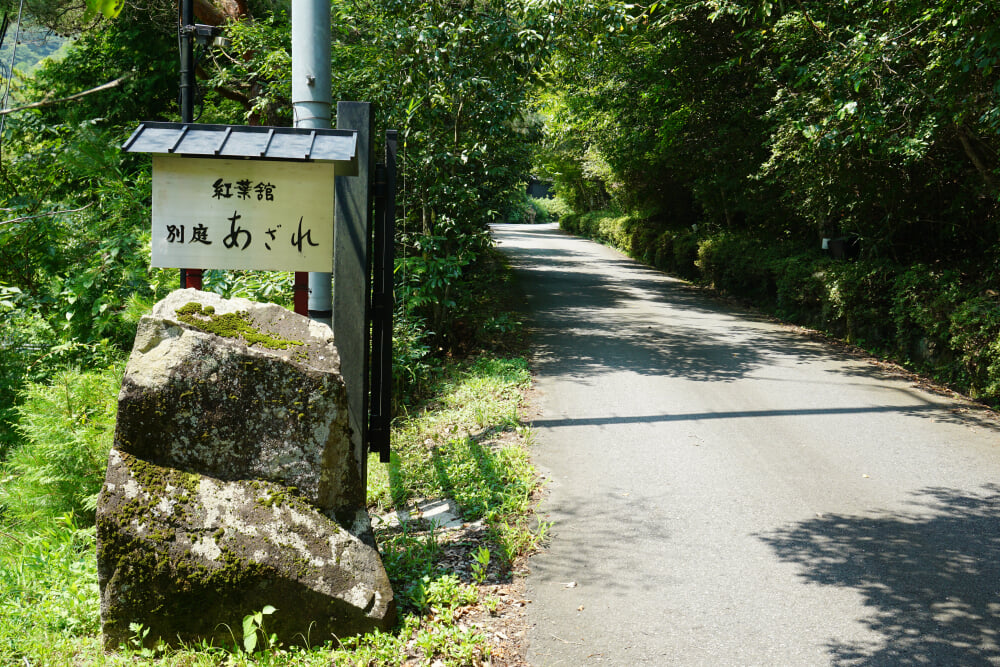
point(244, 141)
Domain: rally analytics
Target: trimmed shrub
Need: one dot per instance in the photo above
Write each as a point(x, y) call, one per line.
point(923, 300)
point(858, 302)
point(800, 290)
point(928, 318)
point(554, 208)
point(974, 330)
point(737, 266)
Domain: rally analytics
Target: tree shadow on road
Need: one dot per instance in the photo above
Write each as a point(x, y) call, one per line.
point(586, 323)
point(583, 324)
point(932, 578)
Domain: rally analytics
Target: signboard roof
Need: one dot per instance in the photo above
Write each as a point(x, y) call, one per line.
point(244, 141)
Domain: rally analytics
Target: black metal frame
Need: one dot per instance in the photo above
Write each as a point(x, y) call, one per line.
point(381, 311)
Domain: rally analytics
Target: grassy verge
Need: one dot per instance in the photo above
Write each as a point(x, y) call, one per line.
point(467, 444)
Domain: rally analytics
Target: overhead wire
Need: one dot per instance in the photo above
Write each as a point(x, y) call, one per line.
point(10, 71)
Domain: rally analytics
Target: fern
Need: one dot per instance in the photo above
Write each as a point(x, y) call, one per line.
point(67, 424)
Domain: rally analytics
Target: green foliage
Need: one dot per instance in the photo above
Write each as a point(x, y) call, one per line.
point(454, 79)
point(412, 366)
point(48, 579)
point(975, 339)
point(743, 134)
point(68, 425)
point(256, 68)
point(553, 208)
point(806, 120)
point(74, 280)
point(923, 302)
point(260, 286)
point(408, 558)
point(801, 290)
point(137, 46)
point(48, 591)
point(449, 452)
point(74, 245)
point(942, 321)
point(447, 592)
point(35, 45)
point(377, 648)
point(25, 340)
point(253, 630)
point(522, 211)
point(109, 8)
point(735, 265)
point(532, 210)
point(638, 234)
point(480, 563)
point(859, 296)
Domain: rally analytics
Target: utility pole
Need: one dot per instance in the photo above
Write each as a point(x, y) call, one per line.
point(189, 277)
point(311, 108)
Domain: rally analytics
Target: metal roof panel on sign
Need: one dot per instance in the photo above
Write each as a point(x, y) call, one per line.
point(244, 141)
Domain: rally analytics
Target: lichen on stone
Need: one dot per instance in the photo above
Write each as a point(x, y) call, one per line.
point(230, 325)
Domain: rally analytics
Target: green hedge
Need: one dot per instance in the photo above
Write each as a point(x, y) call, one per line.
point(933, 320)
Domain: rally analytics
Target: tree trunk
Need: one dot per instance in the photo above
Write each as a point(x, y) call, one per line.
point(975, 157)
point(217, 12)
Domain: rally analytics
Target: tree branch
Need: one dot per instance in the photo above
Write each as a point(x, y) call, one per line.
point(44, 215)
point(977, 161)
point(233, 95)
point(805, 13)
point(48, 101)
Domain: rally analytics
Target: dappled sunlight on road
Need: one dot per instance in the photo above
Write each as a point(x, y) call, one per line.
point(728, 490)
point(932, 577)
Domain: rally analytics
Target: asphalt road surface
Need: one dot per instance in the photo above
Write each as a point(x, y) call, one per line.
point(727, 491)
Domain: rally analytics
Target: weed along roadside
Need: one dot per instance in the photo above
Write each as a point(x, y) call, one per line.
point(456, 579)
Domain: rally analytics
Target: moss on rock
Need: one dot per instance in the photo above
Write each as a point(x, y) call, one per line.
point(231, 461)
point(230, 325)
point(237, 547)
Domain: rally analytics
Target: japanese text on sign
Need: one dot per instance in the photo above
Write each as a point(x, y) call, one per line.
point(239, 214)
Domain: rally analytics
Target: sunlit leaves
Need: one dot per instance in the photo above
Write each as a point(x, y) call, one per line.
point(107, 8)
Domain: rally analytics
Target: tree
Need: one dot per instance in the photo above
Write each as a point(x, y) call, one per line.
point(796, 120)
point(455, 79)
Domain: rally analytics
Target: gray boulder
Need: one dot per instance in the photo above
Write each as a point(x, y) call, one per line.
point(233, 483)
point(211, 403)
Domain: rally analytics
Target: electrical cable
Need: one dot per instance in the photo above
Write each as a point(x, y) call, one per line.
point(10, 78)
point(4, 24)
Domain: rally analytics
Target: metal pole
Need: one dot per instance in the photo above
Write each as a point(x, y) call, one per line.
point(311, 103)
point(189, 277)
point(187, 61)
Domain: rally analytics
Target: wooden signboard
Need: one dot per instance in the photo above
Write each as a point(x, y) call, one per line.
point(263, 215)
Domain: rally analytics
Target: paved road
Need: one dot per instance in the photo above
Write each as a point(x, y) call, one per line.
point(726, 491)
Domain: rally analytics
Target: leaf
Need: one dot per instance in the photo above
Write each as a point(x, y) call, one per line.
point(249, 633)
point(107, 8)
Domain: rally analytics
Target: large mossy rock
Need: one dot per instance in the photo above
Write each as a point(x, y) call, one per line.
point(239, 390)
point(233, 483)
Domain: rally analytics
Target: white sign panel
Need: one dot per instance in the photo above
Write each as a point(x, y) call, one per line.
point(242, 214)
